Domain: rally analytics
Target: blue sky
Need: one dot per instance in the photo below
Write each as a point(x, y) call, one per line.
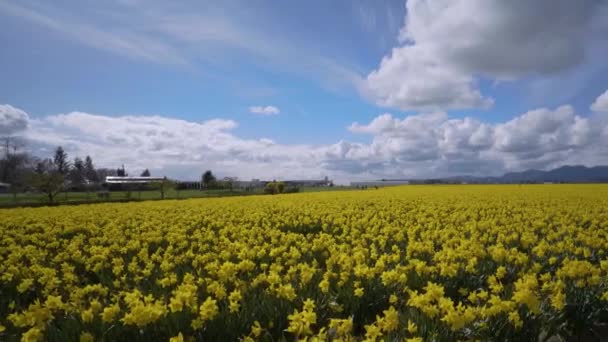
point(55, 73)
point(326, 66)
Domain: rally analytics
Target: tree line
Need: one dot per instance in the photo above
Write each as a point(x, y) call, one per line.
point(50, 176)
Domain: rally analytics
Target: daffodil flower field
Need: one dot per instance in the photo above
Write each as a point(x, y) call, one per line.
point(412, 263)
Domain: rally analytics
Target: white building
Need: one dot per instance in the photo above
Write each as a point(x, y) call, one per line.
point(133, 180)
point(381, 182)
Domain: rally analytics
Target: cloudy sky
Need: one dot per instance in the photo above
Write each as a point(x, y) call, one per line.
point(282, 89)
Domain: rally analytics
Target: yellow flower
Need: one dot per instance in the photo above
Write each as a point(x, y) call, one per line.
point(501, 272)
point(142, 313)
point(391, 319)
point(256, 329)
point(109, 313)
point(372, 332)
point(343, 327)
point(324, 285)
point(525, 293)
point(234, 307)
point(87, 315)
point(359, 292)
point(178, 338)
point(95, 305)
point(411, 327)
point(414, 339)
point(300, 322)
point(208, 309)
point(235, 296)
point(25, 285)
point(515, 319)
point(32, 335)
point(86, 337)
point(286, 291)
point(558, 300)
point(54, 303)
point(309, 305)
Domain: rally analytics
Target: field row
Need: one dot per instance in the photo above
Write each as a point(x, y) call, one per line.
point(441, 263)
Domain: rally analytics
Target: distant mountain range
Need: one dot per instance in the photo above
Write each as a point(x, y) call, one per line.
point(568, 174)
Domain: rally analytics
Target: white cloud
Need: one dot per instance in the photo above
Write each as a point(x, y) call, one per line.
point(538, 138)
point(421, 145)
point(12, 120)
point(413, 78)
point(447, 45)
point(542, 131)
point(601, 103)
point(261, 110)
point(178, 148)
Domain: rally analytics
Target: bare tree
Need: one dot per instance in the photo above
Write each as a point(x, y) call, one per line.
point(76, 175)
point(14, 165)
point(47, 179)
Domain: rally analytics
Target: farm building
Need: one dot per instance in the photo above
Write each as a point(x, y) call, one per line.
point(133, 180)
point(309, 182)
point(379, 183)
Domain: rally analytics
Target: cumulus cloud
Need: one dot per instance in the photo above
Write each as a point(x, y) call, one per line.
point(601, 103)
point(413, 78)
point(12, 120)
point(261, 110)
point(541, 131)
point(447, 45)
point(170, 146)
point(537, 138)
point(421, 145)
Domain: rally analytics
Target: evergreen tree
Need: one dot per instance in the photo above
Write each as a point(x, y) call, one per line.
point(89, 170)
point(208, 179)
point(76, 174)
point(61, 161)
point(47, 179)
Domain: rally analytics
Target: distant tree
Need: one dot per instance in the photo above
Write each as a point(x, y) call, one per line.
point(102, 173)
point(146, 173)
point(15, 166)
point(227, 183)
point(89, 170)
point(280, 187)
point(47, 179)
point(121, 172)
point(12, 161)
point(76, 175)
point(270, 188)
point(208, 179)
point(61, 162)
point(7, 169)
point(275, 187)
point(164, 186)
